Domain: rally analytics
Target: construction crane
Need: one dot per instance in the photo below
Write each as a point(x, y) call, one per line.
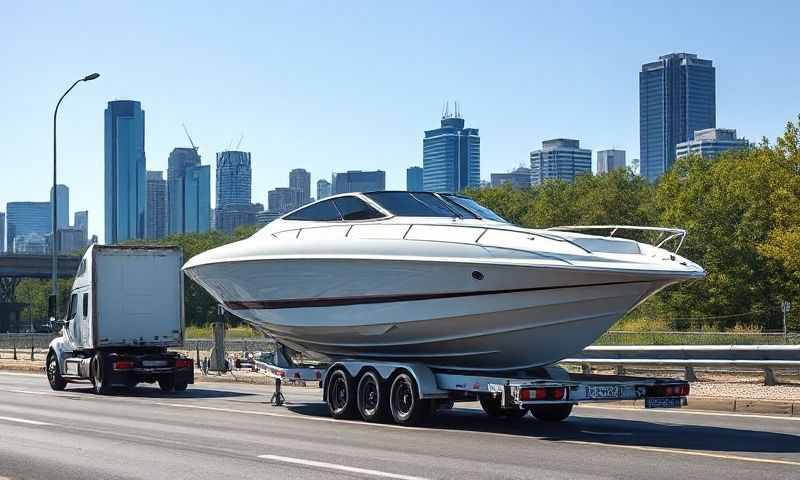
point(195, 147)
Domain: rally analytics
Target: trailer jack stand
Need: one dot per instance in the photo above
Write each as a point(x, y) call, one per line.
point(277, 398)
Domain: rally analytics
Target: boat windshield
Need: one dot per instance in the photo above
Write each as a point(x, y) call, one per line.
point(418, 204)
point(473, 206)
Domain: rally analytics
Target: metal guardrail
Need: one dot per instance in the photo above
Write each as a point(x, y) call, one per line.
point(765, 357)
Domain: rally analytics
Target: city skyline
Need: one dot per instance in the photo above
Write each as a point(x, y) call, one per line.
point(502, 58)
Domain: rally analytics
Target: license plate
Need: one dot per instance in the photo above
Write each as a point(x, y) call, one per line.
point(603, 392)
point(665, 402)
point(154, 363)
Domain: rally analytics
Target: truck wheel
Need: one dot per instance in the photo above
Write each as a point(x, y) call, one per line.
point(180, 386)
point(371, 397)
point(404, 402)
point(552, 413)
point(491, 405)
point(167, 382)
point(340, 396)
point(97, 375)
point(54, 377)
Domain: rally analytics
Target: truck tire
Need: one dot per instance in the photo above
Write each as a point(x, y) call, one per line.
point(491, 405)
point(180, 386)
point(340, 395)
point(167, 382)
point(371, 397)
point(404, 403)
point(54, 377)
point(552, 413)
point(100, 383)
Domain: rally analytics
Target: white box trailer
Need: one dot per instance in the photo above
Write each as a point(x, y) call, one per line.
point(125, 310)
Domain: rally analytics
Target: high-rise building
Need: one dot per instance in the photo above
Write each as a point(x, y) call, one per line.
point(30, 220)
point(234, 188)
point(323, 189)
point(300, 179)
point(125, 172)
point(238, 216)
point(282, 199)
point(82, 220)
point(358, 181)
point(711, 142)
point(414, 179)
point(156, 205)
point(71, 239)
point(608, 160)
point(196, 199)
point(2, 232)
point(518, 178)
point(62, 194)
point(451, 156)
point(559, 159)
point(179, 160)
point(677, 96)
point(31, 244)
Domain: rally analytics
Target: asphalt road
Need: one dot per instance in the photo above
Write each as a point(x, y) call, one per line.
point(215, 430)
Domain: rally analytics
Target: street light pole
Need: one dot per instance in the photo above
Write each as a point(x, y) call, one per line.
point(54, 234)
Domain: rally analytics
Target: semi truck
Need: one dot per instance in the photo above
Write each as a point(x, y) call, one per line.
point(125, 310)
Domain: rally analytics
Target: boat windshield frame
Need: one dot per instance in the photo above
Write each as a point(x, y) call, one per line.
point(493, 216)
point(421, 200)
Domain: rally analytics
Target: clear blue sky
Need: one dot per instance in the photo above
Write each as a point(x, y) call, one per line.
point(352, 85)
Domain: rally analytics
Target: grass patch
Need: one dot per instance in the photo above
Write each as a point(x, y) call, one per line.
point(204, 331)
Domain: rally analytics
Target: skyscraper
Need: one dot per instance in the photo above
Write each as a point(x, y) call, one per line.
point(559, 159)
point(358, 181)
point(300, 179)
point(179, 160)
point(234, 190)
point(82, 220)
point(414, 179)
point(711, 142)
point(282, 199)
point(62, 205)
point(125, 171)
point(608, 160)
point(323, 189)
point(451, 156)
point(518, 178)
point(2, 232)
point(156, 205)
point(677, 96)
point(29, 222)
point(196, 199)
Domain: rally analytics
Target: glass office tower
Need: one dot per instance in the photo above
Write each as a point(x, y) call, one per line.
point(414, 179)
point(451, 156)
point(180, 159)
point(677, 96)
point(196, 199)
point(156, 205)
point(560, 159)
point(28, 223)
point(125, 172)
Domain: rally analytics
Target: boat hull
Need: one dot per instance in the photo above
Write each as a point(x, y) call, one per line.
point(452, 315)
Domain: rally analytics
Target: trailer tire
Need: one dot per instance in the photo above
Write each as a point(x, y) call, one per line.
point(100, 383)
point(340, 395)
point(552, 413)
point(491, 405)
point(54, 377)
point(404, 402)
point(371, 397)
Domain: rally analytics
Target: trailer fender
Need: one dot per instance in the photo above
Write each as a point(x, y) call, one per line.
point(426, 380)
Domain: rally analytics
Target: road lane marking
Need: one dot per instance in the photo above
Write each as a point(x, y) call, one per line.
point(335, 466)
point(696, 412)
point(14, 374)
point(22, 420)
point(692, 453)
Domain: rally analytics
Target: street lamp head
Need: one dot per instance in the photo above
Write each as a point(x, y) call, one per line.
point(90, 77)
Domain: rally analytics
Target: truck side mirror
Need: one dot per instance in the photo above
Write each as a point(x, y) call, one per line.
point(51, 307)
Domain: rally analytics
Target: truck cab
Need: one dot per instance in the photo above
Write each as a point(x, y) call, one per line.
point(124, 311)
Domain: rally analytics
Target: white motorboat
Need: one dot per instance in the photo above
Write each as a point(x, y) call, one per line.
point(436, 279)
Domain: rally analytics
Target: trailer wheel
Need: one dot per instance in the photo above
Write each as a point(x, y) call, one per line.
point(404, 402)
point(54, 377)
point(371, 397)
point(491, 405)
point(340, 395)
point(552, 413)
point(97, 375)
